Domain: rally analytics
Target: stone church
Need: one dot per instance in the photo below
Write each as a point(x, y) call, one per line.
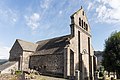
point(62, 56)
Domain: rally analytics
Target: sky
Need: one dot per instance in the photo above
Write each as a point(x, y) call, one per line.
point(35, 20)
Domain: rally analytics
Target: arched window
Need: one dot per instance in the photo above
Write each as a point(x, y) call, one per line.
point(83, 13)
point(82, 23)
point(79, 21)
point(84, 26)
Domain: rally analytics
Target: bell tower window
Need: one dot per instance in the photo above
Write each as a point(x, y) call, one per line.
point(86, 27)
point(79, 21)
point(83, 13)
point(82, 24)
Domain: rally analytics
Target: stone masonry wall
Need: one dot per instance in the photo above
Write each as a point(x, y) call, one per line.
point(15, 52)
point(25, 60)
point(48, 63)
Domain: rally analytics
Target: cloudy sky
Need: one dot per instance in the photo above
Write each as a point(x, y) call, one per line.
point(34, 20)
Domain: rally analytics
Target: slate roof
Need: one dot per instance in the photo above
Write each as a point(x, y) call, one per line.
point(27, 46)
point(52, 46)
point(6, 65)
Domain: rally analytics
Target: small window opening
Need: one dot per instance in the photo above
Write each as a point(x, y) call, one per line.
point(82, 23)
point(86, 27)
point(83, 13)
point(79, 21)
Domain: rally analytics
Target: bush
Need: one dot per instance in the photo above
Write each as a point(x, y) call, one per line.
point(18, 72)
point(101, 74)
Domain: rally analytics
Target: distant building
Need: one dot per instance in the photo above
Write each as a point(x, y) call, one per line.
point(61, 55)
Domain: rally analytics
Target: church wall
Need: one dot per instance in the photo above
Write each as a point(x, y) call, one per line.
point(25, 60)
point(66, 62)
point(15, 52)
point(85, 54)
point(74, 47)
point(48, 63)
point(83, 45)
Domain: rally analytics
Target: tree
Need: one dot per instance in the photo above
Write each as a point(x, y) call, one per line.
point(111, 55)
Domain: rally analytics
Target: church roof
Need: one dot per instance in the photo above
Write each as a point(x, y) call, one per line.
point(27, 46)
point(52, 46)
point(6, 65)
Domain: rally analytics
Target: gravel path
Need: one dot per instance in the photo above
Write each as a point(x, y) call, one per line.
point(49, 78)
point(34, 77)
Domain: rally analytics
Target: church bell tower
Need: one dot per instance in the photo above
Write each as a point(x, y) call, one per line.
point(81, 37)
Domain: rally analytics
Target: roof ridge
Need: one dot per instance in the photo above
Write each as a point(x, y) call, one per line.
point(53, 38)
point(25, 41)
point(28, 46)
